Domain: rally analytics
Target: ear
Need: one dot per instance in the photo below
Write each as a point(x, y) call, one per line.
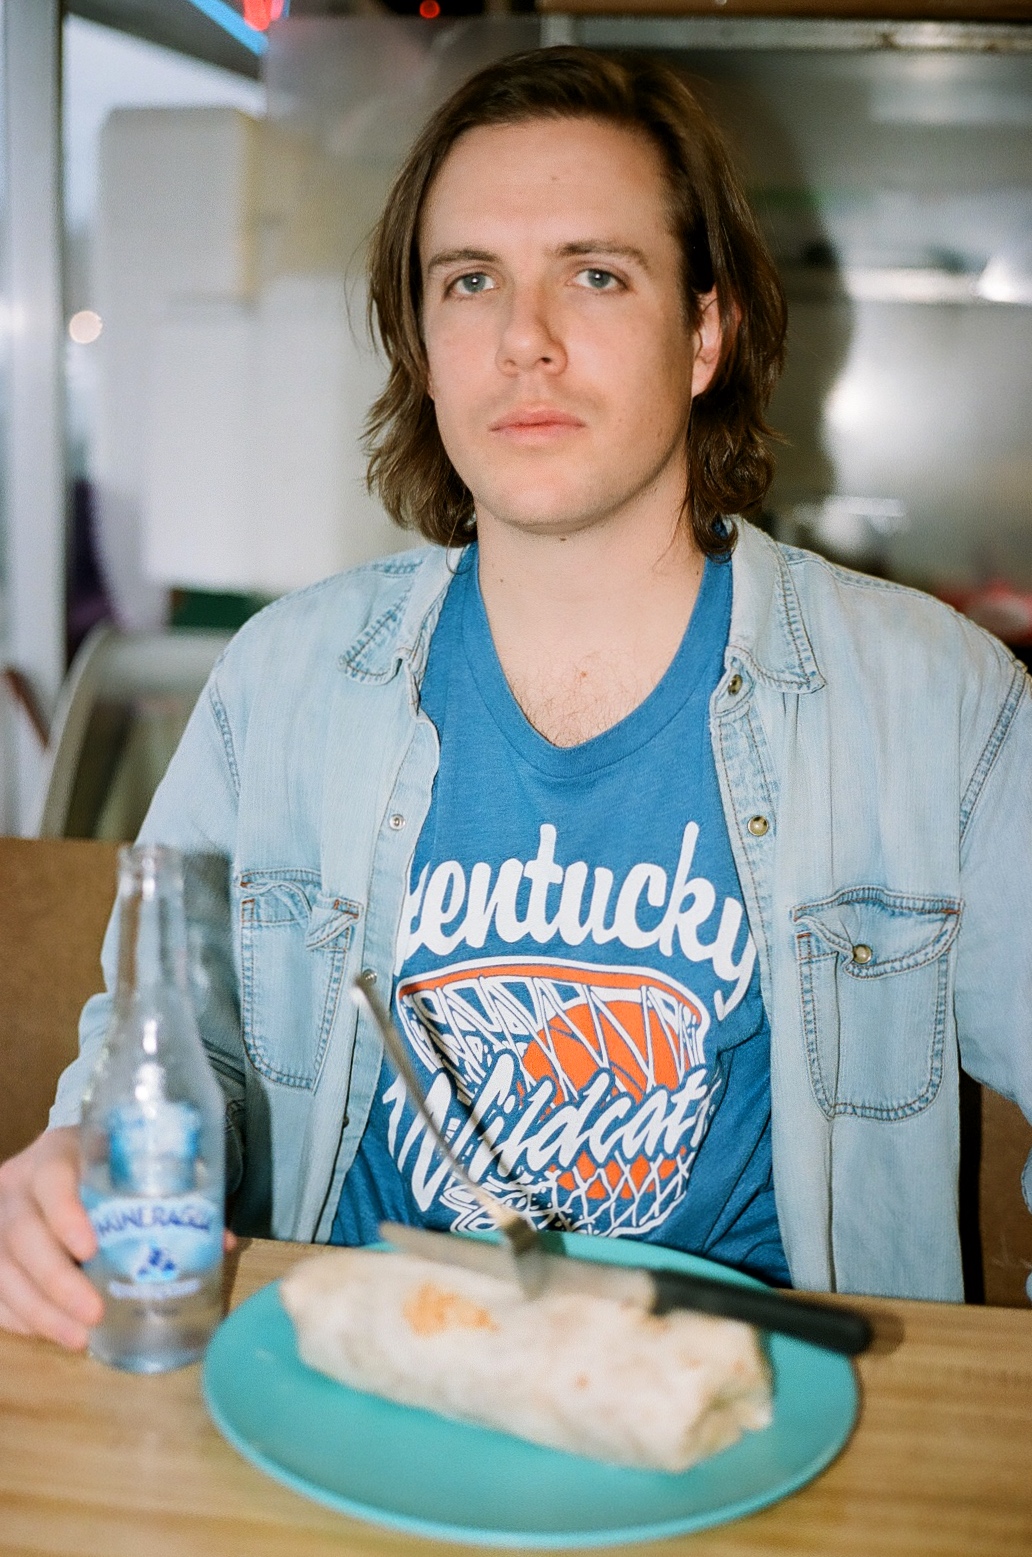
point(707, 341)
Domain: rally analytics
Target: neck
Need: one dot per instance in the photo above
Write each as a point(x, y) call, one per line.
point(561, 582)
point(585, 623)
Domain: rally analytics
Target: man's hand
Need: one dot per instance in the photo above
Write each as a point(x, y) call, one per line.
point(44, 1232)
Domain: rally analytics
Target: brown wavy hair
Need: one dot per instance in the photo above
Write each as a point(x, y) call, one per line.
point(730, 465)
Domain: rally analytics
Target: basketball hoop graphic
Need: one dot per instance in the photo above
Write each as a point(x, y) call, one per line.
point(587, 1085)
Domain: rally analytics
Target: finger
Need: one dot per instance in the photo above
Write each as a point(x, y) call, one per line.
point(35, 1313)
point(9, 1321)
point(55, 1189)
point(46, 1265)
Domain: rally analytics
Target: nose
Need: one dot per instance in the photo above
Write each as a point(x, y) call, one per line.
point(530, 334)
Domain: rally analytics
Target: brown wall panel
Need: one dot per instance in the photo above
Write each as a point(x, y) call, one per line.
point(55, 899)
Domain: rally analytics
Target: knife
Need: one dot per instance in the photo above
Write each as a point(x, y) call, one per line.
point(525, 1258)
point(836, 1329)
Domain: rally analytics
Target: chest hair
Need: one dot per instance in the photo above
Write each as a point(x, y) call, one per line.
point(572, 703)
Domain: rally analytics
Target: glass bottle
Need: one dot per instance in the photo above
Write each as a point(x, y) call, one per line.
point(152, 1139)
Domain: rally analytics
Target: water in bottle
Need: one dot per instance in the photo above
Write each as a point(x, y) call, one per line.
point(152, 1140)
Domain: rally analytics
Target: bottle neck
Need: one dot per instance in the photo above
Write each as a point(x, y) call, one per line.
point(152, 927)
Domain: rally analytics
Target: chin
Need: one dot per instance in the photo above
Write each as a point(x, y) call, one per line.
point(543, 512)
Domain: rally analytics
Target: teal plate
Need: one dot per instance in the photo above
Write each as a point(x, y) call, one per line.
point(430, 1476)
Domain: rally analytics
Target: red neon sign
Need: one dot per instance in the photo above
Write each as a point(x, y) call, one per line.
point(260, 14)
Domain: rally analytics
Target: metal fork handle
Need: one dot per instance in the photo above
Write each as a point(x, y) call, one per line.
point(518, 1230)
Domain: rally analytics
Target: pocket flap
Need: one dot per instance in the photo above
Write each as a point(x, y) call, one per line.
point(277, 897)
point(332, 919)
point(891, 931)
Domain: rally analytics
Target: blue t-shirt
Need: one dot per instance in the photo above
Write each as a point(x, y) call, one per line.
point(576, 980)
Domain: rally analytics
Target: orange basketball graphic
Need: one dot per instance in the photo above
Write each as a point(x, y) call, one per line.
point(589, 1084)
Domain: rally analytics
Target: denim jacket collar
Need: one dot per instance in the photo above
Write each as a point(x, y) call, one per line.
point(414, 585)
point(767, 629)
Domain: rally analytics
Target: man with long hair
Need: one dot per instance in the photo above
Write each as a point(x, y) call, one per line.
point(686, 858)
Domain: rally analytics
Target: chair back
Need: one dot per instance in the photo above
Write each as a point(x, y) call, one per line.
point(123, 707)
point(1005, 1222)
point(55, 898)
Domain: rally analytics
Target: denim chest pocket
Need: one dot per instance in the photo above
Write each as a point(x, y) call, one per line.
point(875, 980)
point(294, 941)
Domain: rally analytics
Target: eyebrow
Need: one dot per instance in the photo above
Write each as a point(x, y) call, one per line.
point(460, 257)
point(604, 247)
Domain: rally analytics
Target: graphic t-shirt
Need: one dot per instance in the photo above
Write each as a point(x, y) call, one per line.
point(576, 979)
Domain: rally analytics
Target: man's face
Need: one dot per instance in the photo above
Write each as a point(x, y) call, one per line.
point(561, 363)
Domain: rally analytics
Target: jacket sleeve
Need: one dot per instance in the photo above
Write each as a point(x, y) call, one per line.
point(195, 811)
point(994, 963)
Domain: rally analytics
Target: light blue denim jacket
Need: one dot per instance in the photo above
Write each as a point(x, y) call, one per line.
point(874, 752)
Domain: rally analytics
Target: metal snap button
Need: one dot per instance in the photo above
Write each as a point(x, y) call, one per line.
point(734, 686)
point(759, 825)
point(396, 822)
point(369, 974)
point(862, 954)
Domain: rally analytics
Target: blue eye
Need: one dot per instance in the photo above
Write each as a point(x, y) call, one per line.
point(599, 280)
point(475, 282)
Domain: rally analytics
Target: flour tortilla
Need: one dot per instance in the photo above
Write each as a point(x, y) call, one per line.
point(578, 1373)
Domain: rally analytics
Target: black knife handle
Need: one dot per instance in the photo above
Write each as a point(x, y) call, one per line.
point(836, 1329)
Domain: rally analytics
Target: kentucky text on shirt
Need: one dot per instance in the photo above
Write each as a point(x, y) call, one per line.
point(434, 910)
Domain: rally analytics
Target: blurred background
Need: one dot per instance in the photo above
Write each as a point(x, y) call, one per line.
point(186, 189)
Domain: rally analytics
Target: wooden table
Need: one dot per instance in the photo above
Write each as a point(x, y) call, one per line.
point(95, 1463)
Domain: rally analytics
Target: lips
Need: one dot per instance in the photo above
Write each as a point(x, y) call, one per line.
point(535, 418)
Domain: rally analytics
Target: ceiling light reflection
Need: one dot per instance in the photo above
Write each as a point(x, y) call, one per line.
point(85, 327)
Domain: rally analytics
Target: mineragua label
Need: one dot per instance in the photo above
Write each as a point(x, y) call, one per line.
point(155, 1247)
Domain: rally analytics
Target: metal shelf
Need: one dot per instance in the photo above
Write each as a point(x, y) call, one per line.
point(563, 23)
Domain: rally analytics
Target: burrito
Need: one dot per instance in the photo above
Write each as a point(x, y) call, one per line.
point(579, 1373)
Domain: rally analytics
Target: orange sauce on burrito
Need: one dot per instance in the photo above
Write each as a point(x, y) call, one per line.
point(432, 1309)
